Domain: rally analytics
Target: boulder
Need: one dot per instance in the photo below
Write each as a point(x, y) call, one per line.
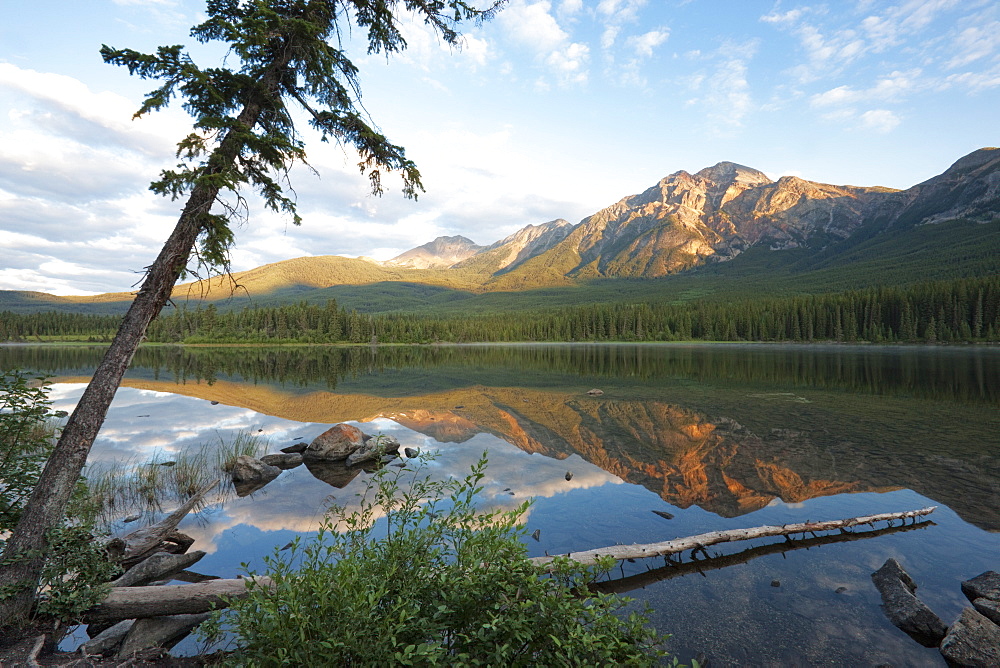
point(251, 474)
point(972, 641)
point(903, 608)
point(373, 449)
point(294, 448)
point(988, 608)
point(283, 461)
point(984, 585)
point(336, 443)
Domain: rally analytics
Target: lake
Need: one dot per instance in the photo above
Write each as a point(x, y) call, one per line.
point(711, 436)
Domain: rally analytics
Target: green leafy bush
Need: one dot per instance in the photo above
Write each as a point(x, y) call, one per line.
point(434, 583)
point(76, 566)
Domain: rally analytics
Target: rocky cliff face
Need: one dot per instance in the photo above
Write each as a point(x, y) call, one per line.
point(715, 214)
point(438, 254)
point(969, 189)
point(517, 248)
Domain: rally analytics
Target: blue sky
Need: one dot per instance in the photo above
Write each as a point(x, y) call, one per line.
point(555, 109)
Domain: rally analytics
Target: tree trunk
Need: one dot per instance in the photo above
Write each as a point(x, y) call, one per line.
point(702, 541)
point(156, 601)
point(23, 554)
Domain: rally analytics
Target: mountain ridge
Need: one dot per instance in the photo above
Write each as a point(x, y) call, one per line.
point(682, 223)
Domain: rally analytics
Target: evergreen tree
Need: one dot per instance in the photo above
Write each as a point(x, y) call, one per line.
point(279, 53)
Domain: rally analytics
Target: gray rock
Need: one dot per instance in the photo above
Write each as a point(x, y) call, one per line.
point(283, 461)
point(336, 443)
point(984, 585)
point(972, 641)
point(108, 639)
point(903, 608)
point(295, 448)
point(988, 608)
point(411, 452)
point(251, 474)
point(373, 449)
point(156, 567)
point(595, 392)
point(159, 632)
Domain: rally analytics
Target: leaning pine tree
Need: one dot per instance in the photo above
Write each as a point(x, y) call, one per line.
point(289, 55)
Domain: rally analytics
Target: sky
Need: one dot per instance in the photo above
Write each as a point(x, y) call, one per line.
point(555, 109)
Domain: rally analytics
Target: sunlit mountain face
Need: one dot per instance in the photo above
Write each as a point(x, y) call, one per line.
point(680, 440)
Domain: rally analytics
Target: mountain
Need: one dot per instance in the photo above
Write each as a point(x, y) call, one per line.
point(517, 248)
point(716, 232)
point(441, 253)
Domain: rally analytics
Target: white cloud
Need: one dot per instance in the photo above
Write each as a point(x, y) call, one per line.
point(892, 88)
point(975, 43)
point(879, 120)
point(532, 24)
point(645, 43)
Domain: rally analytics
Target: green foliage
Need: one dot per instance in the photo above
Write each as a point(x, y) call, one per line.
point(432, 583)
point(281, 52)
point(76, 566)
point(25, 441)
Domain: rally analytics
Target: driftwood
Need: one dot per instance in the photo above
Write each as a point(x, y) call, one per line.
point(156, 601)
point(157, 566)
point(677, 569)
point(142, 542)
point(701, 541)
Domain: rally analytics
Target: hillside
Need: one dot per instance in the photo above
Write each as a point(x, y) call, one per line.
point(718, 233)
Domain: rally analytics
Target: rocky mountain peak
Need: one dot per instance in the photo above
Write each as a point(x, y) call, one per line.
point(728, 173)
point(438, 254)
point(977, 158)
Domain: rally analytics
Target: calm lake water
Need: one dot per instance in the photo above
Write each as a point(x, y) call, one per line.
point(715, 436)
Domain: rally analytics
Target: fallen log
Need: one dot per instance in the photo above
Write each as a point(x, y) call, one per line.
point(157, 601)
point(679, 569)
point(143, 542)
point(701, 541)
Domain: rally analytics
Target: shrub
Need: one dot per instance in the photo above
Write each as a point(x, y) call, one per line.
point(76, 566)
point(434, 582)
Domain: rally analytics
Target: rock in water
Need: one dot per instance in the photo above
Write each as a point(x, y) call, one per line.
point(973, 641)
point(373, 449)
point(988, 608)
point(251, 474)
point(295, 448)
point(595, 392)
point(903, 608)
point(336, 443)
point(283, 461)
point(984, 585)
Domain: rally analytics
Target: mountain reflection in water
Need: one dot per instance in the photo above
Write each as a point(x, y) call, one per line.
point(756, 434)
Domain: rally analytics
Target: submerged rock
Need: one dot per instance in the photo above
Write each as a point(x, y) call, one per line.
point(903, 608)
point(972, 641)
